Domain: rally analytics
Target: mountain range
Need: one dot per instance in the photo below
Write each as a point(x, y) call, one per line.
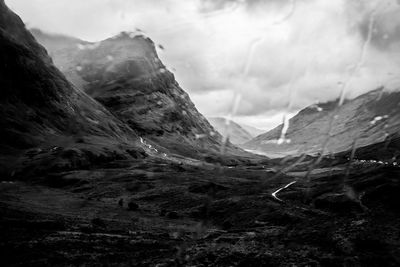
point(99, 167)
point(125, 74)
point(328, 128)
point(237, 133)
point(253, 131)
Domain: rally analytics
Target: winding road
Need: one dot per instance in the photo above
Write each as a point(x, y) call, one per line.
point(280, 189)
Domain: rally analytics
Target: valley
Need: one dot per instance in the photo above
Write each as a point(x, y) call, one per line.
point(160, 212)
point(105, 161)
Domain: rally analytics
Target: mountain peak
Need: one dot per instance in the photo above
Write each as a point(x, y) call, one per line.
point(232, 130)
point(125, 74)
point(131, 38)
point(131, 35)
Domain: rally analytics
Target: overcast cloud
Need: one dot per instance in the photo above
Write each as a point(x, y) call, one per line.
point(280, 56)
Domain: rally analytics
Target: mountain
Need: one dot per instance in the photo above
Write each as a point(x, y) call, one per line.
point(252, 130)
point(57, 42)
point(78, 187)
point(387, 150)
point(237, 134)
point(368, 119)
point(43, 116)
point(125, 74)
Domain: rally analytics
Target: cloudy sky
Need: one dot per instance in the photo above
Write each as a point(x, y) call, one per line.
point(270, 57)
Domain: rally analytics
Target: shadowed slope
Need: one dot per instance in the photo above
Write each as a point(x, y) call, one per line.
point(40, 109)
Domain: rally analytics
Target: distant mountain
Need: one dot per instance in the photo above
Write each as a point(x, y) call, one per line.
point(252, 130)
point(369, 119)
point(125, 74)
point(237, 135)
point(43, 115)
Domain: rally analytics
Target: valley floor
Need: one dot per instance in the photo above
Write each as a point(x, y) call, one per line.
point(159, 213)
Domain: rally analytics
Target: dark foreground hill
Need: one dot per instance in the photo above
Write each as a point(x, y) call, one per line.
point(151, 212)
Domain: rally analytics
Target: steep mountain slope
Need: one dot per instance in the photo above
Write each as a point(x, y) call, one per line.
point(41, 110)
point(387, 150)
point(368, 119)
point(237, 135)
point(125, 74)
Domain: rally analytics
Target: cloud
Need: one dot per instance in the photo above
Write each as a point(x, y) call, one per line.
point(279, 55)
point(251, 5)
point(386, 31)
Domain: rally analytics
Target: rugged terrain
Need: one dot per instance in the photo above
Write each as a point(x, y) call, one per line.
point(368, 119)
point(159, 213)
point(79, 187)
point(125, 74)
point(46, 119)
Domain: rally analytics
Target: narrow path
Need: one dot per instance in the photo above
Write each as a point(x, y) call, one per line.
point(280, 189)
